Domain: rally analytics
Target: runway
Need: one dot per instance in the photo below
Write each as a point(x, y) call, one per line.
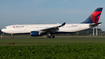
point(57, 37)
point(27, 40)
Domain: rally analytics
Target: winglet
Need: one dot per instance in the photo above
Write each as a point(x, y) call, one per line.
point(62, 24)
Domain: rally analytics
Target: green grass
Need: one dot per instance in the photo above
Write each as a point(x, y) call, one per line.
point(48, 41)
point(61, 47)
point(69, 51)
point(27, 40)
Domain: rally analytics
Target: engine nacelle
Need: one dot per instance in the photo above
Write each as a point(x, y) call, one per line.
point(35, 33)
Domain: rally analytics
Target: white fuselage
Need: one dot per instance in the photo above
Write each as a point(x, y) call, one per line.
point(15, 29)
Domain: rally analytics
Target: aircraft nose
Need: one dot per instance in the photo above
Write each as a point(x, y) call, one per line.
point(2, 30)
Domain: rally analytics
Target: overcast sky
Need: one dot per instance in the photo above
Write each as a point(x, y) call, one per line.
point(48, 11)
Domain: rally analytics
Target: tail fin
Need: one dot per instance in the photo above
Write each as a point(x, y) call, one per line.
point(94, 17)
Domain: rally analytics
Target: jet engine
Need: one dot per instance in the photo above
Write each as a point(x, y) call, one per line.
point(35, 33)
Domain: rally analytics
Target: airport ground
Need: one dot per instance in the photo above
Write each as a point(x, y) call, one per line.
point(28, 40)
point(61, 47)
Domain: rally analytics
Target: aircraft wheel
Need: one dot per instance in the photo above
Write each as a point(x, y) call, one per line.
point(48, 36)
point(53, 36)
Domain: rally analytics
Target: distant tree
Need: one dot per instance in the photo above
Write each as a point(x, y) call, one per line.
point(90, 31)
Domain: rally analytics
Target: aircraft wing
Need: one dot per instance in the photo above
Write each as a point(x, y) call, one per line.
point(53, 29)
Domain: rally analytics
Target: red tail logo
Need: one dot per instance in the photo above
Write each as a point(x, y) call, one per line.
point(94, 17)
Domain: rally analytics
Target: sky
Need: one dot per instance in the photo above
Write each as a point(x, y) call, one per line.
point(48, 11)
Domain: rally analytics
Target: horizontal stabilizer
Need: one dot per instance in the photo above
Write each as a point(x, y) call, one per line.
point(95, 24)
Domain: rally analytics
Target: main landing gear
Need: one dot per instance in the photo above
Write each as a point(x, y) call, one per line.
point(12, 36)
point(50, 35)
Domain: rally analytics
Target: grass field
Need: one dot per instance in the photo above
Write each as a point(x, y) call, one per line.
point(61, 47)
point(27, 40)
point(69, 51)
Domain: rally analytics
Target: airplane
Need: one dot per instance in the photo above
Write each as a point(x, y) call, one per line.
point(51, 29)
